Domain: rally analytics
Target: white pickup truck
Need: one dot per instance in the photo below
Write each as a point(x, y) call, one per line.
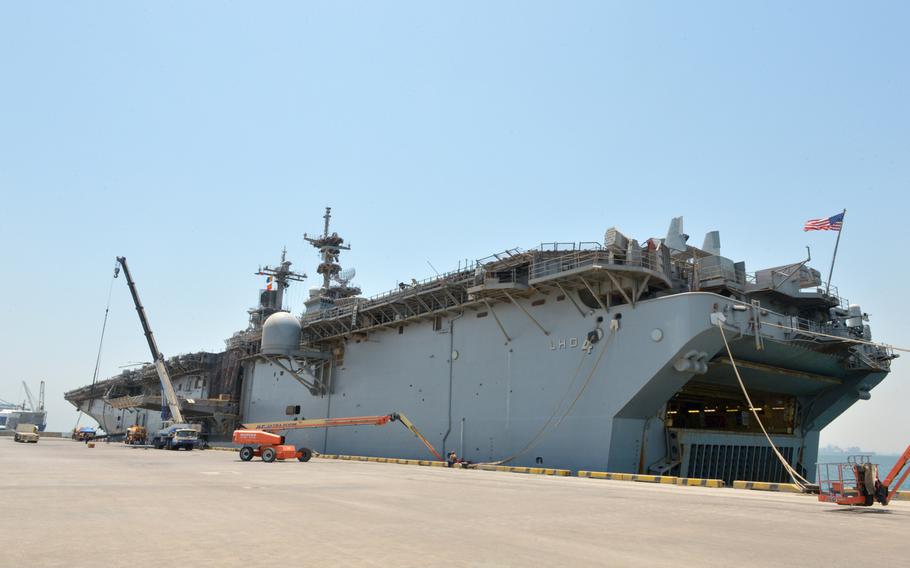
point(26, 433)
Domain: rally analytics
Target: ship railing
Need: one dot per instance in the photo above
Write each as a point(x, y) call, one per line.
point(794, 325)
point(870, 356)
point(569, 247)
point(833, 292)
point(823, 290)
point(457, 276)
point(504, 256)
point(550, 266)
point(797, 324)
point(453, 275)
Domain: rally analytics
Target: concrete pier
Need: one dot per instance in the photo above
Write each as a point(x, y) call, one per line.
point(68, 505)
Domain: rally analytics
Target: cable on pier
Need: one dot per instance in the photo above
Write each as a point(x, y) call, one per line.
point(801, 482)
point(107, 310)
point(550, 421)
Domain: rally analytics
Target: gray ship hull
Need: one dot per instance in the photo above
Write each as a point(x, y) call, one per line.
point(546, 400)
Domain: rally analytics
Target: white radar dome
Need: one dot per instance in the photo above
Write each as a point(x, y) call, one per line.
point(280, 334)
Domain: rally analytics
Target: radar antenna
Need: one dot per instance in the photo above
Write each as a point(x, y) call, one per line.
point(282, 276)
point(330, 247)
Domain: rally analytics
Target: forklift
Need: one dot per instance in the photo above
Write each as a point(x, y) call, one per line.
point(262, 439)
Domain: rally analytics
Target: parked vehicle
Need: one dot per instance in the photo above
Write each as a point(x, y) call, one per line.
point(84, 434)
point(136, 436)
point(176, 436)
point(26, 433)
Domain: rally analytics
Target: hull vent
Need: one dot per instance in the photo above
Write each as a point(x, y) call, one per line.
point(737, 463)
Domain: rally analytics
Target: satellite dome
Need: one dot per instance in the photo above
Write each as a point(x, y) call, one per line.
point(280, 334)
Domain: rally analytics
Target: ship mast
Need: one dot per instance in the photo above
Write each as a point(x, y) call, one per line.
point(330, 247)
point(271, 299)
point(282, 275)
point(335, 283)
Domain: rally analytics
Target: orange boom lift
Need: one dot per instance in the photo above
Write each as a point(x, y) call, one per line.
point(262, 439)
point(862, 486)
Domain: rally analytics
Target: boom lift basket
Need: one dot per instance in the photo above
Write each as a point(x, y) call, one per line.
point(852, 483)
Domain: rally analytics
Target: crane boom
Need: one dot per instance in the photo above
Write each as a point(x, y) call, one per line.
point(28, 395)
point(895, 478)
point(379, 420)
point(319, 423)
point(167, 388)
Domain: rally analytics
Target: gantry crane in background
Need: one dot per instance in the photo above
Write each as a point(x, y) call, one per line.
point(28, 397)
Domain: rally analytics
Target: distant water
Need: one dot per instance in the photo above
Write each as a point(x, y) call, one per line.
point(885, 463)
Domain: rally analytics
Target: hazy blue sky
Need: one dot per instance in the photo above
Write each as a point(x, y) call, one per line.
point(199, 138)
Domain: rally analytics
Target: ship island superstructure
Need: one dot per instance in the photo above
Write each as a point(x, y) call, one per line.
point(594, 355)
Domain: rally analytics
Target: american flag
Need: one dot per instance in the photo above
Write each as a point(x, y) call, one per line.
point(833, 223)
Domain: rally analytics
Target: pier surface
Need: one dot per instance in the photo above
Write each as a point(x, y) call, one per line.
point(69, 505)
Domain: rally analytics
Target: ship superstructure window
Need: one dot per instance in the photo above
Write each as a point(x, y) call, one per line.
point(437, 323)
point(400, 329)
point(482, 314)
point(540, 302)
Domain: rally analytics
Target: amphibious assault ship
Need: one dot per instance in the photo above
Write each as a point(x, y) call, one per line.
point(594, 355)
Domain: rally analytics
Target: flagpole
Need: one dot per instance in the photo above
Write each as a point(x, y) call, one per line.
point(834, 257)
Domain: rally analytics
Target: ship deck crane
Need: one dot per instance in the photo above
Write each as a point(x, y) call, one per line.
point(29, 397)
point(167, 388)
point(270, 445)
point(862, 487)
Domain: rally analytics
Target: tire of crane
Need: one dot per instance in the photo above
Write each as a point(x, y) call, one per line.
point(304, 454)
point(268, 455)
point(246, 453)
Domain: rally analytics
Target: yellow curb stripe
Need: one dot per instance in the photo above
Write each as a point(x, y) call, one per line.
point(664, 479)
point(765, 486)
point(698, 482)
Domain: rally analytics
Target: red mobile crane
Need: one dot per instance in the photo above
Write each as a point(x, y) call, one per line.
point(865, 487)
point(261, 439)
